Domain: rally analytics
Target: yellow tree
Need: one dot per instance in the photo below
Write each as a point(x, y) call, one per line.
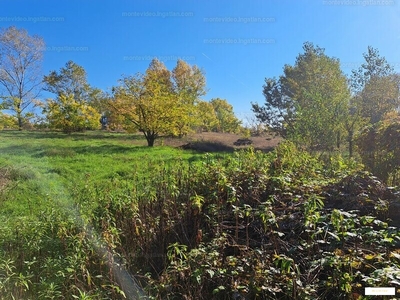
point(70, 115)
point(158, 102)
point(227, 121)
point(146, 102)
point(8, 121)
point(206, 118)
point(76, 100)
point(189, 85)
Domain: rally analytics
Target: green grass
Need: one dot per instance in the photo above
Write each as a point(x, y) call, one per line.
point(42, 177)
point(49, 165)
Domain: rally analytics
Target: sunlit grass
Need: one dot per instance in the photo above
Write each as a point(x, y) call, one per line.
point(47, 166)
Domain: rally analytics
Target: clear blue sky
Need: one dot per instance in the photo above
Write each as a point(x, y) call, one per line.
point(237, 42)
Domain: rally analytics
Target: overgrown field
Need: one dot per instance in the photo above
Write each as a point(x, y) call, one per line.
point(94, 216)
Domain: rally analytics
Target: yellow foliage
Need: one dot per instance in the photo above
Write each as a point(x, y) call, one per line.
point(7, 121)
point(69, 115)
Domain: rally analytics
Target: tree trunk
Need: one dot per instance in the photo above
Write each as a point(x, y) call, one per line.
point(150, 142)
point(19, 117)
point(150, 137)
point(350, 143)
point(338, 138)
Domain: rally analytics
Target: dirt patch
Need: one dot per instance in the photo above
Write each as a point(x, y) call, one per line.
point(207, 141)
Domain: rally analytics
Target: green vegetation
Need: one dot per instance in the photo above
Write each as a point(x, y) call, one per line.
point(281, 225)
point(97, 215)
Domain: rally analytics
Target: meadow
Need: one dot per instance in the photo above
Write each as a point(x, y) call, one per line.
point(97, 215)
point(41, 173)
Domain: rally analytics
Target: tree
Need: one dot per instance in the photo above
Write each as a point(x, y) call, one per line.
point(227, 121)
point(70, 80)
point(206, 118)
point(145, 102)
point(376, 85)
point(354, 121)
point(189, 86)
point(374, 66)
point(158, 102)
point(71, 110)
point(70, 115)
point(309, 102)
point(278, 110)
point(20, 70)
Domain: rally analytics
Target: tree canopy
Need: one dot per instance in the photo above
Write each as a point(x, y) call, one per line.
point(71, 110)
point(69, 115)
point(226, 119)
point(376, 86)
point(70, 80)
point(308, 103)
point(159, 102)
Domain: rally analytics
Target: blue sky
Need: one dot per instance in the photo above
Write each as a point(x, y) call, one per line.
point(237, 43)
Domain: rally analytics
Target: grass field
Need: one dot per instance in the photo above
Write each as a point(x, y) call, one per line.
point(51, 164)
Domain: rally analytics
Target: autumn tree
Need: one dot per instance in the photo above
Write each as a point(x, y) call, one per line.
point(206, 118)
point(189, 85)
point(8, 121)
point(71, 110)
point(226, 119)
point(158, 102)
point(20, 70)
point(70, 115)
point(309, 102)
point(376, 86)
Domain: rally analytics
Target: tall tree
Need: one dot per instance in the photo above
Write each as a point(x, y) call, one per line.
point(158, 102)
point(71, 110)
point(20, 70)
point(70, 80)
point(376, 85)
point(309, 102)
point(374, 66)
point(189, 86)
point(227, 121)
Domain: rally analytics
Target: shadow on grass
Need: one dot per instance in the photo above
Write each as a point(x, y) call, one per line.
point(109, 149)
point(207, 146)
point(88, 150)
point(88, 135)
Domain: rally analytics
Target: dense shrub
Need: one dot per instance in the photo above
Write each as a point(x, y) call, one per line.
point(252, 225)
point(247, 225)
